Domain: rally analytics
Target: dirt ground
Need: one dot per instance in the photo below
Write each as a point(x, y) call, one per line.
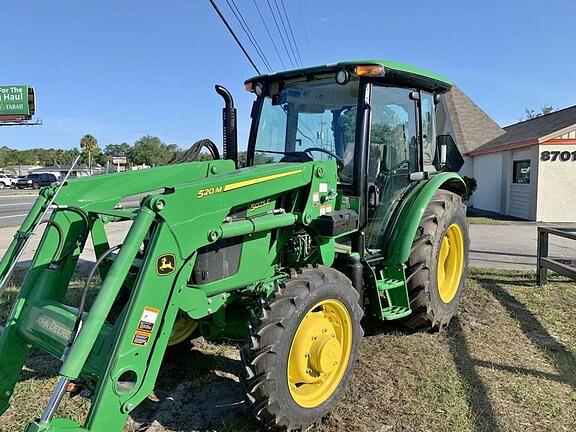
point(507, 362)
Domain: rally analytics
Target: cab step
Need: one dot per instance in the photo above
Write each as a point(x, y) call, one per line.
point(395, 312)
point(387, 284)
point(392, 293)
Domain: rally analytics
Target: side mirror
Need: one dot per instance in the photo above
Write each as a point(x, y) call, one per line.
point(373, 196)
point(443, 148)
point(447, 157)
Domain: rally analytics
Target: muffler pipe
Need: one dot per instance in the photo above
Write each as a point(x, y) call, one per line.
point(229, 126)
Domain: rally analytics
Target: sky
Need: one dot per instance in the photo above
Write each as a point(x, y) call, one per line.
point(121, 69)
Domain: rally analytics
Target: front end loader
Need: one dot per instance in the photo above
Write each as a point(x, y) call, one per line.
point(348, 209)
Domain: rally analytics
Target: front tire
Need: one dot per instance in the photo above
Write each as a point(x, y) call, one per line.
point(438, 262)
point(300, 356)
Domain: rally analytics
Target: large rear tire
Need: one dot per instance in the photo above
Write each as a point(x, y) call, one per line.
point(300, 356)
point(438, 262)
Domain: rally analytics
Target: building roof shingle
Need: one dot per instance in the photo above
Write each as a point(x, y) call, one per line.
point(534, 129)
point(472, 127)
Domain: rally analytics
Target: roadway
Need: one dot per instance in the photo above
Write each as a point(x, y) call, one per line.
point(14, 206)
point(509, 246)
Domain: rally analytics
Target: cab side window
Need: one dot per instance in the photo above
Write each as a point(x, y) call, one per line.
point(428, 129)
point(392, 156)
point(393, 132)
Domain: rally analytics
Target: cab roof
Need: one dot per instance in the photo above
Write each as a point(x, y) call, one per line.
point(393, 72)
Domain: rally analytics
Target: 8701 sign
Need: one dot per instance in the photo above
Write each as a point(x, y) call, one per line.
point(557, 155)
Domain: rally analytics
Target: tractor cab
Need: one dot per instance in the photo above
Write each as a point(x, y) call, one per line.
point(375, 119)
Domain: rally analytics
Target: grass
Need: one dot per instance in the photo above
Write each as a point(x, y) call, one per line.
point(507, 362)
point(481, 220)
point(483, 217)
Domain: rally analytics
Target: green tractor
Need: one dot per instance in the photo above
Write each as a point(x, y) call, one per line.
point(348, 207)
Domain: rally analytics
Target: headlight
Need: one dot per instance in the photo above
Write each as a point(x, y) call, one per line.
point(342, 77)
point(259, 89)
point(29, 181)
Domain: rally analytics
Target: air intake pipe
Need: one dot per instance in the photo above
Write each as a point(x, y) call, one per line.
point(229, 126)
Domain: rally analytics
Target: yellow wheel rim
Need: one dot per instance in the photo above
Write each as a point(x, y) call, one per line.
point(183, 329)
point(450, 263)
point(320, 353)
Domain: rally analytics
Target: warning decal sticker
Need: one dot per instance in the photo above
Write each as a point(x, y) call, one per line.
point(145, 326)
point(141, 339)
point(315, 198)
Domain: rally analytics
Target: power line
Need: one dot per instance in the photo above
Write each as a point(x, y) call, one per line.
point(292, 33)
point(286, 32)
point(279, 32)
point(269, 34)
point(304, 28)
point(251, 37)
point(215, 6)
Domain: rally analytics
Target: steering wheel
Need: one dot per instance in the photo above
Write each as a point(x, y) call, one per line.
point(398, 166)
point(339, 160)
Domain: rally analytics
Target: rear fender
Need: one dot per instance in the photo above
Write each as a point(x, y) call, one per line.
point(398, 245)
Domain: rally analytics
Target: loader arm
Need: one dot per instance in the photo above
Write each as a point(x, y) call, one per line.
point(190, 211)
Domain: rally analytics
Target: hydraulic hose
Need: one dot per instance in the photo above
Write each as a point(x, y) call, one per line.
point(79, 211)
point(82, 304)
point(56, 225)
point(193, 153)
point(73, 246)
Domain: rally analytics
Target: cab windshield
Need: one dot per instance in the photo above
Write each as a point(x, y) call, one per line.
point(306, 117)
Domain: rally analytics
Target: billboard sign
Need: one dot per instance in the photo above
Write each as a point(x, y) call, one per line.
point(119, 160)
point(16, 101)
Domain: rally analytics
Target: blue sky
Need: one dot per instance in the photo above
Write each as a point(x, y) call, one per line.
point(120, 69)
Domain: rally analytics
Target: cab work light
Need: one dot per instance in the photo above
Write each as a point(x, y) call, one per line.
point(249, 86)
point(370, 70)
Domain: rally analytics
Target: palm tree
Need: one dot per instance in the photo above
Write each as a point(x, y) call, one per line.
point(89, 144)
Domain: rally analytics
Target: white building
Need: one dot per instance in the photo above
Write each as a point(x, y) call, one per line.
point(526, 170)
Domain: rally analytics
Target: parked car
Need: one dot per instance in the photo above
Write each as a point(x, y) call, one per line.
point(36, 181)
point(5, 181)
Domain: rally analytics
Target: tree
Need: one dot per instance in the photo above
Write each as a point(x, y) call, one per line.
point(4, 156)
point(530, 114)
point(89, 144)
point(111, 150)
point(19, 158)
point(68, 156)
point(387, 128)
point(150, 150)
point(175, 151)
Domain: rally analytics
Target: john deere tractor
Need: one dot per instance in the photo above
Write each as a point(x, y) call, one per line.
point(348, 206)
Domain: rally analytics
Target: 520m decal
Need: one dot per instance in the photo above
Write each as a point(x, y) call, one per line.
point(202, 193)
point(209, 191)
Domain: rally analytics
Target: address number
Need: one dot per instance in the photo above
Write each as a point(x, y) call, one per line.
point(564, 156)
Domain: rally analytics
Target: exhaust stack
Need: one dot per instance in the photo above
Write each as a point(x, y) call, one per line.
point(229, 126)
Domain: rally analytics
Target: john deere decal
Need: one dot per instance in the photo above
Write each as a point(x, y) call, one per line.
point(165, 264)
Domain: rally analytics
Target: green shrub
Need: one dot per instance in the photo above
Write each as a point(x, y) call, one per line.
point(471, 186)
